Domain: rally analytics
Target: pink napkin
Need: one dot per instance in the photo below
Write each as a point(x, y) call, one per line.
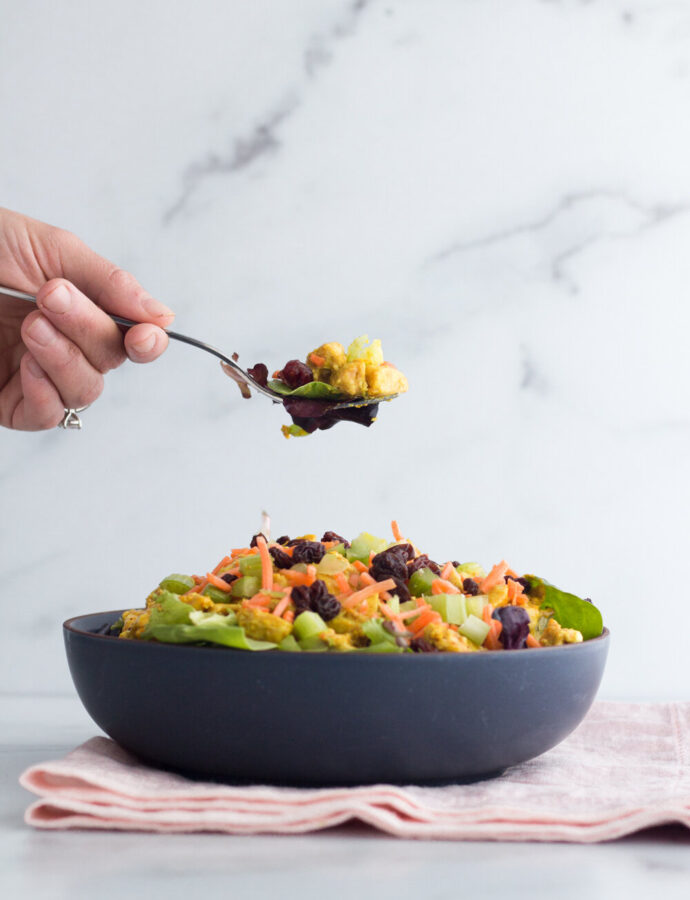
point(625, 768)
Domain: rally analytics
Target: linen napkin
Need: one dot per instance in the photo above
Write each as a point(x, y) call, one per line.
point(626, 767)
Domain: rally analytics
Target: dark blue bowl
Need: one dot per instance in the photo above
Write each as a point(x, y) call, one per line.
point(330, 718)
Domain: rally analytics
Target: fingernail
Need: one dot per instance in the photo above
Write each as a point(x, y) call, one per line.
point(58, 300)
point(145, 345)
point(154, 308)
point(42, 331)
point(34, 367)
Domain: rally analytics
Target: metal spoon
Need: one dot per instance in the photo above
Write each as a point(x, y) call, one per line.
point(228, 363)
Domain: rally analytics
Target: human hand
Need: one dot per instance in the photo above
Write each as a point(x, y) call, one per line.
point(53, 358)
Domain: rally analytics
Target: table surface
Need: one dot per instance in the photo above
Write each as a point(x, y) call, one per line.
point(356, 860)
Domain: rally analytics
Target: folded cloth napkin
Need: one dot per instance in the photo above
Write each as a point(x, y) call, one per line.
point(626, 767)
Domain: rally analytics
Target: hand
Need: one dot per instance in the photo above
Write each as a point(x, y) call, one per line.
point(53, 358)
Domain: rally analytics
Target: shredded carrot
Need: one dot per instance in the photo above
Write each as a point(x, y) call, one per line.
point(218, 582)
point(259, 600)
point(266, 563)
point(360, 566)
point(368, 591)
point(440, 586)
point(396, 531)
point(224, 562)
point(197, 579)
point(289, 615)
point(311, 574)
point(494, 576)
point(514, 590)
point(389, 614)
point(486, 614)
point(426, 618)
point(492, 639)
point(342, 583)
point(532, 641)
point(316, 359)
point(409, 613)
point(366, 579)
point(281, 606)
point(512, 573)
point(446, 570)
point(197, 589)
point(354, 580)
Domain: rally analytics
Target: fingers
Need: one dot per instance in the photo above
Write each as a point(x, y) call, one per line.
point(93, 331)
point(144, 343)
point(115, 290)
point(40, 406)
point(74, 378)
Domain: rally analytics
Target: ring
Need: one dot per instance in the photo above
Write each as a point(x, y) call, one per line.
point(71, 418)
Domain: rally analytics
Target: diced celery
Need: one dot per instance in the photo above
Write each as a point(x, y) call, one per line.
point(215, 594)
point(475, 629)
point(251, 565)
point(363, 545)
point(374, 630)
point(451, 607)
point(421, 581)
point(394, 603)
point(246, 586)
point(177, 584)
point(299, 567)
point(476, 604)
point(331, 564)
point(470, 570)
point(408, 605)
point(308, 624)
point(289, 644)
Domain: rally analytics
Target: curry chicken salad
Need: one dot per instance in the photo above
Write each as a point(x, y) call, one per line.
point(370, 595)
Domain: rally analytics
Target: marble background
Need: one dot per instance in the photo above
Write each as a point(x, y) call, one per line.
point(498, 189)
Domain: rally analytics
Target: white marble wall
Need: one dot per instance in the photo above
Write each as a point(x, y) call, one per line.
point(499, 189)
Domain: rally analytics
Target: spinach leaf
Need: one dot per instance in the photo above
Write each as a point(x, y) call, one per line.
point(568, 610)
point(315, 390)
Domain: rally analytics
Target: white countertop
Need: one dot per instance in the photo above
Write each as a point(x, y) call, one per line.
point(349, 861)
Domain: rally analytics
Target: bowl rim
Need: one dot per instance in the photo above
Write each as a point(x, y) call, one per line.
point(68, 626)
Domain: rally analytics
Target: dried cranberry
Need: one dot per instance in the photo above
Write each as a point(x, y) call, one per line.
point(402, 590)
point(470, 586)
point(322, 602)
point(259, 373)
point(300, 597)
point(295, 373)
point(284, 539)
point(423, 562)
point(388, 564)
point(515, 621)
point(308, 552)
point(332, 536)
point(228, 578)
point(421, 645)
point(253, 542)
point(281, 559)
point(455, 564)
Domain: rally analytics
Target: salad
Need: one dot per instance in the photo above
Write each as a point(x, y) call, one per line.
point(332, 375)
point(369, 595)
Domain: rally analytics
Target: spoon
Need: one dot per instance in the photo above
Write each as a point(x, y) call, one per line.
point(228, 363)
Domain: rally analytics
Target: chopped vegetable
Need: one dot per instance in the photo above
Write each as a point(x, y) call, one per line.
point(372, 595)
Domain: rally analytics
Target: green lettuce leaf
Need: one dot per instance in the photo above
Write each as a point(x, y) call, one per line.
point(568, 610)
point(175, 622)
point(315, 390)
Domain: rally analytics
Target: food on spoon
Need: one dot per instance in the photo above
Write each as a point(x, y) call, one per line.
point(329, 376)
point(370, 596)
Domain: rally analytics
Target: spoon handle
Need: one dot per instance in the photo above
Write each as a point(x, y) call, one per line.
point(175, 335)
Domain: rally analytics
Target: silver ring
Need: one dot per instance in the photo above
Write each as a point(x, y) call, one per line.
point(71, 418)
